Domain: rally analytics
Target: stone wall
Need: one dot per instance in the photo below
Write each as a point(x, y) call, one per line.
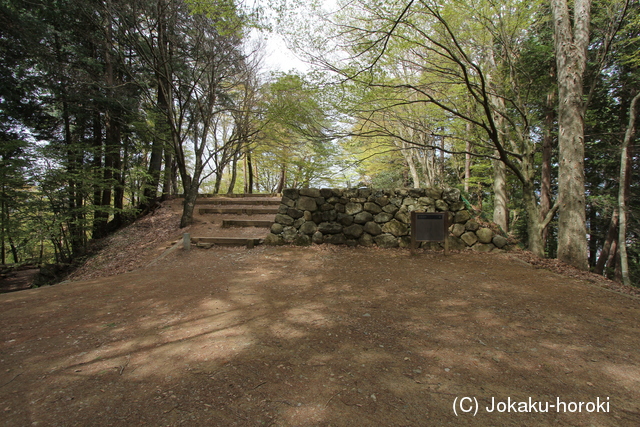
point(374, 217)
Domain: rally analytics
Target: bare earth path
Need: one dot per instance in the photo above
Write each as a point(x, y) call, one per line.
point(317, 337)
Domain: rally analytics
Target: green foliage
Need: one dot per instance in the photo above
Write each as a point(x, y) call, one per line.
point(295, 141)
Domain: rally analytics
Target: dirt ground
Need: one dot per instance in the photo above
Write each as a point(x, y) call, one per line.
point(319, 336)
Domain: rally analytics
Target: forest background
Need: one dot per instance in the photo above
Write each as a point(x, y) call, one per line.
point(529, 108)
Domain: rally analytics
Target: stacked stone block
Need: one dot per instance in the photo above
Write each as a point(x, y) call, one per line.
point(369, 217)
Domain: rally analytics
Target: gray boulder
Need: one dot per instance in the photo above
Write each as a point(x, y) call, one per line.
point(353, 208)
point(441, 205)
point(276, 228)
point(307, 204)
point(362, 217)
point(354, 231)
point(396, 228)
point(284, 219)
point(295, 213)
point(485, 235)
point(335, 239)
point(458, 230)
point(366, 240)
point(309, 227)
point(372, 228)
point(469, 238)
point(330, 228)
point(372, 208)
point(309, 192)
point(273, 240)
point(499, 241)
point(289, 234)
point(451, 195)
point(386, 241)
point(291, 193)
point(471, 226)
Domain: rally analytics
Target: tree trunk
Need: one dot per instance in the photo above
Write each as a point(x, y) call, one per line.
point(169, 173)
point(248, 170)
point(609, 243)
point(190, 196)
point(593, 238)
point(534, 224)
point(14, 251)
point(442, 180)
point(500, 199)
point(623, 193)
point(571, 55)
point(467, 162)
point(118, 182)
point(155, 161)
point(160, 140)
point(407, 153)
point(100, 217)
point(547, 151)
point(283, 178)
point(3, 225)
point(234, 174)
point(218, 182)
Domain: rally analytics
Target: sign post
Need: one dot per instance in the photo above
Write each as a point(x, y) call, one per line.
point(429, 227)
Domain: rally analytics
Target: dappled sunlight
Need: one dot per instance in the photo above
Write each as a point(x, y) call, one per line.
point(295, 414)
point(309, 314)
point(298, 347)
point(626, 375)
point(285, 331)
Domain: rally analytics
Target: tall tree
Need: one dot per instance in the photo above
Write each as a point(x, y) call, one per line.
point(623, 193)
point(571, 39)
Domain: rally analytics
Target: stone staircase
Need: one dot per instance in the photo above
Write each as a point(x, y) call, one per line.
point(236, 220)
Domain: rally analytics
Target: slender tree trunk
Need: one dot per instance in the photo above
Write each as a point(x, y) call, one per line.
point(248, 185)
point(41, 253)
point(234, 174)
point(623, 193)
point(100, 217)
point(547, 151)
point(112, 150)
point(160, 140)
point(467, 162)
point(118, 181)
point(155, 160)
point(174, 178)
point(593, 238)
point(407, 153)
point(169, 173)
point(609, 243)
point(191, 186)
point(14, 251)
point(216, 187)
point(190, 196)
point(612, 261)
point(500, 208)
point(441, 180)
point(3, 225)
point(534, 224)
point(570, 45)
point(283, 178)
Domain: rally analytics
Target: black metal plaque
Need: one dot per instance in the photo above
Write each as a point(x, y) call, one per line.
point(429, 227)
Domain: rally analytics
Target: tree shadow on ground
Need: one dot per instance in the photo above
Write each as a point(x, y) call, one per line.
point(318, 336)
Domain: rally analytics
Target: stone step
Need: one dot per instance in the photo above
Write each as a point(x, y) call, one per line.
point(238, 201)
point(205, 242)
point(236, 196)
point(246, 223)
point(239, 211)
